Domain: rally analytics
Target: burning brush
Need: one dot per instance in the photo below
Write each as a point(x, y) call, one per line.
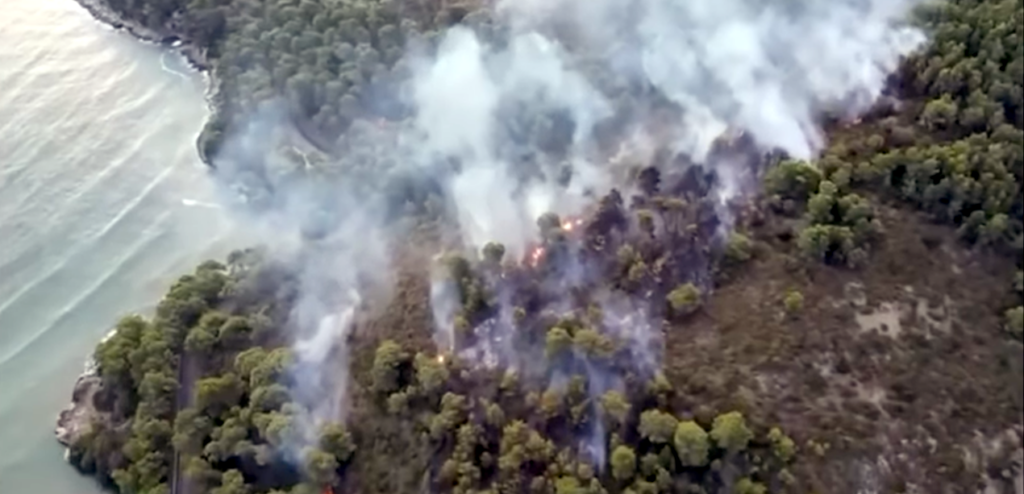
point(537, 253)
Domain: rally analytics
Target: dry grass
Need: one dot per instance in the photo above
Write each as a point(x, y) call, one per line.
point(895, 407)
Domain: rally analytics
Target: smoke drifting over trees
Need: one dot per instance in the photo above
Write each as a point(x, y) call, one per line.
point(564, 179)
point(519, 113)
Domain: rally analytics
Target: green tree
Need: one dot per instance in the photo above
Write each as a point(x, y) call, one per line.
point(615, 405)
point(235, 333)
point(232, 482)
point(939, 114)
point(747, 486)
point(385, 367)
point(495, 416)
point(201, 340)
point(558, 341)
point(568, 485)
point(794, 180)
point(191, 430)
point(592, 343)
point(247, 361)
point(321, 467)
point(269, 398)
point(623, 463)
point(657, 426)
point(215, 395)
point(431, 374)
point(336, 440)
point(730, 432)
point(691, 443)
point(200, 470)
point(270, 369)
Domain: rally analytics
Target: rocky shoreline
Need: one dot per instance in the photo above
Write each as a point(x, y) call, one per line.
point(195, 55)
point(76, 419)
point(167, 38)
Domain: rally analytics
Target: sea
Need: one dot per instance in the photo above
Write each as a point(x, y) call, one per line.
point(103, 203)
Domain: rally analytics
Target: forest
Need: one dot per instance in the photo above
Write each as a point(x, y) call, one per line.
point(753, 381)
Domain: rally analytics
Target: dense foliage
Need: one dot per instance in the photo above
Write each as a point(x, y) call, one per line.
point(954, 145)
point(330, 62)
point(199, 393)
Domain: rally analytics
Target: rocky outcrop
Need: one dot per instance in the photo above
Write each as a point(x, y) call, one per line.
point(166, 36)
point(170, 36)
point(78, 416)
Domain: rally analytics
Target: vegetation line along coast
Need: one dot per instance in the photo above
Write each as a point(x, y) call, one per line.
point(568, 247)
point(170, 35)
point(75, 417)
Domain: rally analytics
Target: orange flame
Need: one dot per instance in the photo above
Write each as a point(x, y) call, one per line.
point(328, 490)
point(570, 224)
point(535, 255)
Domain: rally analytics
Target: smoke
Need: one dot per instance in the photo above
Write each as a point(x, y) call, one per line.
point(769, 68)
point(547, 107)
point(335, 237)
point(469, 101)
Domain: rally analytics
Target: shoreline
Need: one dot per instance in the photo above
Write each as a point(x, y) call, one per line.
point(195, 57)
point(74, 419)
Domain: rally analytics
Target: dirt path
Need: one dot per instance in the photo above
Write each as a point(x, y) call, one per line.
point(188, 372)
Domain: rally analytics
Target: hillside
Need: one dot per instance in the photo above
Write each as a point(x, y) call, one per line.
point(740, 321)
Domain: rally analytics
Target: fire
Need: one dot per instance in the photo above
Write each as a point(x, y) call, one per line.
point(535, 255)
point(440, 359)
point(328, 490)
point(570, 225)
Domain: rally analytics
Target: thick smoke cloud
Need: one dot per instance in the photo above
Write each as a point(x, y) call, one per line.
point(468, 96)
point(511, 121)
point(768, 68)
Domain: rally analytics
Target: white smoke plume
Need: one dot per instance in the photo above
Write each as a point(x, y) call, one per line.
point(461, 97)
point(768, 68)
point(507, 131)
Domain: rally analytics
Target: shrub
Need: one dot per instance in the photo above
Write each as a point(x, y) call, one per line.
point(1015, 321)
point(747, 486)
point(558, 340)
point(826, 243)
point(793, 302)
point(684, 300)
point(782, 446)
point(739, 249)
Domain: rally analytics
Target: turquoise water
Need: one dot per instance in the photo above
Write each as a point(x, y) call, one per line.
point(102, 204)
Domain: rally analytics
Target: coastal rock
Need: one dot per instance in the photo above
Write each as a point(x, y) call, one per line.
point(78, 417)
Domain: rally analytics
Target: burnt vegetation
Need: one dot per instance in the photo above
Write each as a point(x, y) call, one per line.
point(855, 325)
